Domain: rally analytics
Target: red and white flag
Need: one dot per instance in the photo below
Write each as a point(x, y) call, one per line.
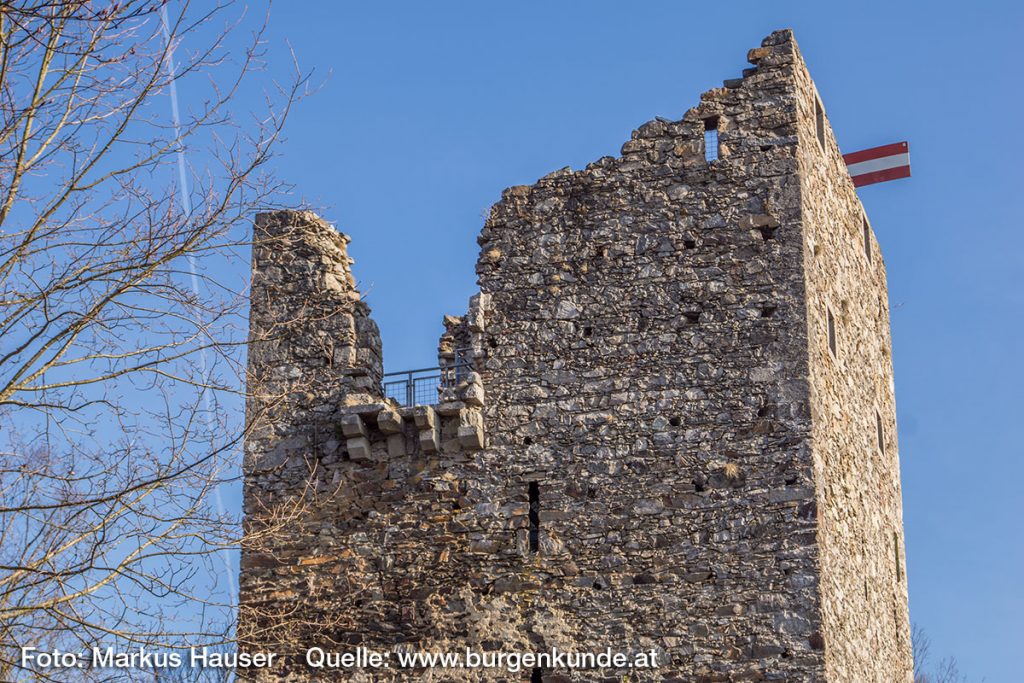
point(879, 164)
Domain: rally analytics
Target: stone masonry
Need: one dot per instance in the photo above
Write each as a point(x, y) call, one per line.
point(676, 430)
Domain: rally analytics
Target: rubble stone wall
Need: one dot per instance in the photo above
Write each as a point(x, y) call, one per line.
point(856, 459)
point(642, 443)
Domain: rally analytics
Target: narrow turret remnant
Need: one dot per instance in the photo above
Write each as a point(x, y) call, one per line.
point(665, 423)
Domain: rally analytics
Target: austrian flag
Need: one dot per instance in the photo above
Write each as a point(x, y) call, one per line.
point(879, 164)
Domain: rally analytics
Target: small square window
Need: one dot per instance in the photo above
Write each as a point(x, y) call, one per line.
point(831, 332)
point(819, 122)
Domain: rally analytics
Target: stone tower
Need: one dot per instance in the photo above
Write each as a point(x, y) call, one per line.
point(668, 423)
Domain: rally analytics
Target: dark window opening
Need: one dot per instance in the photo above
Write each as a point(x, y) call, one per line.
point(896, 555)
point(831, 333)
point(588, 331)
point(690, 244)
point(528, 441)
point(768, 311)
point(767, 232)
point(711, 139)
point(675, 421)
point(881, 432)
point(819, 122)
point(692, 316)
point(698, 485)
point(598, 585)
point(537, 676)
point(534, 516)
point(867, 240)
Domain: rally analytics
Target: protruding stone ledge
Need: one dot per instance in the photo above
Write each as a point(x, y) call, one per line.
point(471, 430)
point(429, 428)
point(447, 428)
point(389, 421)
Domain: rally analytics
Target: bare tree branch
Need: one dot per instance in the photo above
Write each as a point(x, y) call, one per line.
point(123, 318)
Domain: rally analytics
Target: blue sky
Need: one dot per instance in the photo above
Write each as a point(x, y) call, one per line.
point(427, 111)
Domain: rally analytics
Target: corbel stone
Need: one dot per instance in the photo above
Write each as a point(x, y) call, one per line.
point(425, 417)
point(359, 449)
point(471, 430)
point(352, 426)
point(450, 408)
point(473, 393)
point(429, 428)
point(368, 411)
point(389, 421)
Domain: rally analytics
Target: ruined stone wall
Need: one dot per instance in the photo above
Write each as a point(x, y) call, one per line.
point(642, 358)
point(312, 348)
point(856, 459)
point(646, 369)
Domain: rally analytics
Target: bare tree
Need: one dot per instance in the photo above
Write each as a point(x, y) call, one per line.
point(948, 671)
point(122, 317)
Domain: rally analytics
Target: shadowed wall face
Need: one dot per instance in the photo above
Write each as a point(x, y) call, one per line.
point(638, 455)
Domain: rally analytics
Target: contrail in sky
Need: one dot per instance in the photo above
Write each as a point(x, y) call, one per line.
point(186, 205)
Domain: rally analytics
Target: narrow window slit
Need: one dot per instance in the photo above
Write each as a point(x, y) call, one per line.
point(537, 676)
point(534, 516)
point(867, 240)
point(880, 431)
point(711, 150)
point(819, 122)
point(831, 333)
point(896, 555)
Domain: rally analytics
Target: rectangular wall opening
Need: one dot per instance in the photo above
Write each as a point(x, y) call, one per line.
point(534, 516)
point(867, 240)
point(819, 122)
point(711, 139)
point(880, 431)
point(831, 332)
point(896, 555)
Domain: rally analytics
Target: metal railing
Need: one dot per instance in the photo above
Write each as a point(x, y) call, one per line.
point(413, 387)
point(420, 387)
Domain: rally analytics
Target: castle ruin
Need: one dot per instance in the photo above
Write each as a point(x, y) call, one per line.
point(665, 423)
